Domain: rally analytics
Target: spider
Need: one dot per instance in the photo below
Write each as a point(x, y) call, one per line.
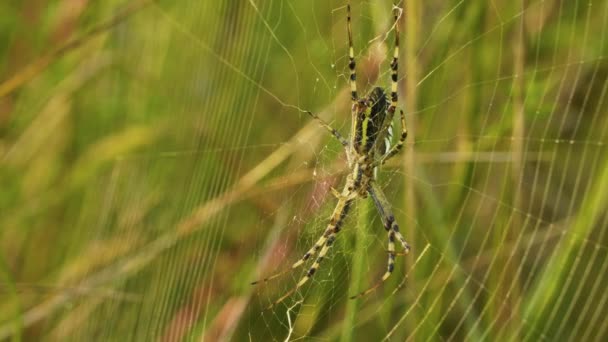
point(367, 148)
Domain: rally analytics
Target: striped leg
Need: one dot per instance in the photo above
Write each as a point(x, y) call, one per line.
point(351, 59)
point(389, 269)
point(330, 129)
point(333, 227)
point(395, 98)
point(311, 271)
point(392, 229)
point(394, 68)
point(353, 88)
point(335, 223)
point(324, 244)
point(352, 81)
point(386, 214)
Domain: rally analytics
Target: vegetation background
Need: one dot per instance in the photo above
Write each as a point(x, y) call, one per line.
point(155, 159)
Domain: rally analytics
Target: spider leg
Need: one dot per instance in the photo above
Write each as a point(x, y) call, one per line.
point(324, 243)
point(353, 88)
point(335, 223)
point(334, 226)
point(390, 267)
point(330, 129)
point(351, 59)
point(352, 80)
point(386, 213)
point(392, 229)
point(311, 271)
point(395, 98)
point(394, 69)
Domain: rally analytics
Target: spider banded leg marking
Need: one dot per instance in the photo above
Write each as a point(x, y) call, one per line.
point(324, 243)
point(351, 59)
point(395, 97)
point(392, 229)
point(330, 129)
point(394, 69)
point(386, 213)
point(334, 226)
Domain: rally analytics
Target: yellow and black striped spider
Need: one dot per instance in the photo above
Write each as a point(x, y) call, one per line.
point(367, 148)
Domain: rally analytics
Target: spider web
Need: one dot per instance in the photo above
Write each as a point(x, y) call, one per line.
point(204, 173)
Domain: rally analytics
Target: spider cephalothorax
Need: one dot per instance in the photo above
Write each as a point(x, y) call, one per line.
point(366, 149)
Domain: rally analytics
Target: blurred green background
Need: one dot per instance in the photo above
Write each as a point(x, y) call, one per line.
point(155, 159)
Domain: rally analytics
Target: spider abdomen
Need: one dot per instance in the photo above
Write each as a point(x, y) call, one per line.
point(370, 116)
